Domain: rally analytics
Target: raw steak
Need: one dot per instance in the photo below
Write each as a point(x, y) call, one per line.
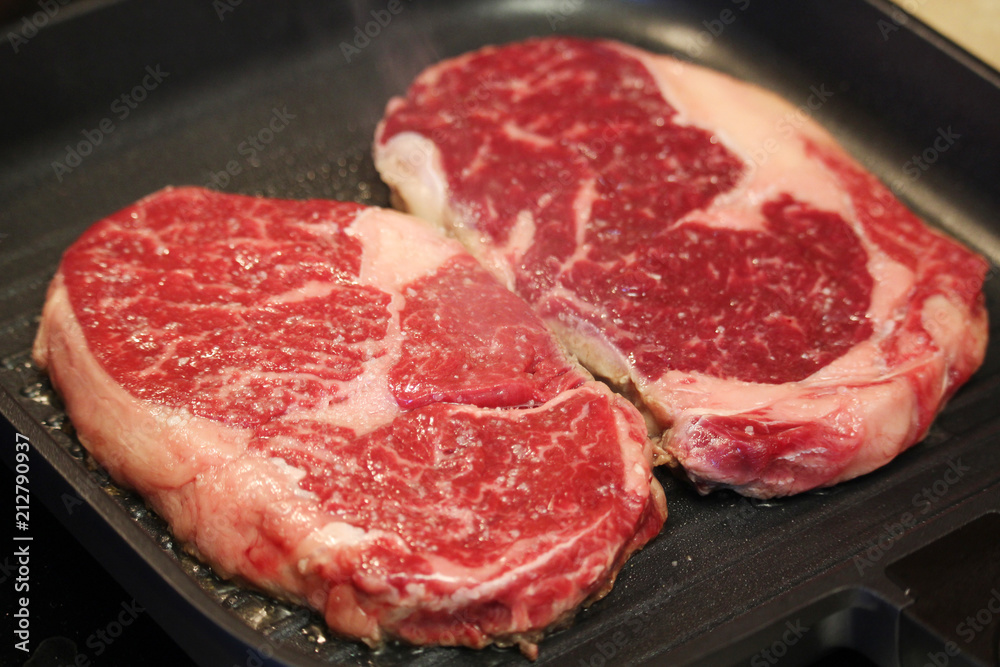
point(340, 406)
point(702, 244)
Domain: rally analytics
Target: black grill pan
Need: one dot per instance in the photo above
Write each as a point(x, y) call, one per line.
point(890, 565)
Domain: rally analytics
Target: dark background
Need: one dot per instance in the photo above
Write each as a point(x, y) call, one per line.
point(72, 598)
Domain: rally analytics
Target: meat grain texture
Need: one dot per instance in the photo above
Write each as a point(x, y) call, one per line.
point(338, 405)
point(786, 322)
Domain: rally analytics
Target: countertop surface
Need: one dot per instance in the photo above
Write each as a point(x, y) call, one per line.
point(972, 24)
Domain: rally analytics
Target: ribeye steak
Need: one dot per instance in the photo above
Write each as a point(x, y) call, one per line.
point(339, 405)
point(701, 243)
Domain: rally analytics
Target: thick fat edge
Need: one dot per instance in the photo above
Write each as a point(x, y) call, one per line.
point(410, 164)
point(165, 475)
